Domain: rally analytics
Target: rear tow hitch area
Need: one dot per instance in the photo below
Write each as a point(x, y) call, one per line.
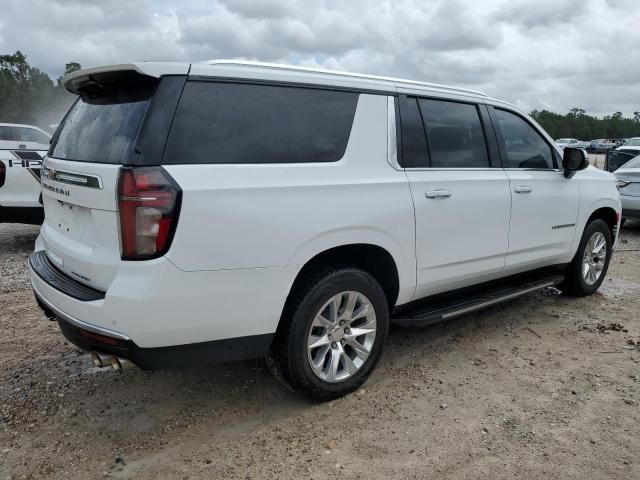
point(105, 360)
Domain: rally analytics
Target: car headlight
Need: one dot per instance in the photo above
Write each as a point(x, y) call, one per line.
point(621, 184)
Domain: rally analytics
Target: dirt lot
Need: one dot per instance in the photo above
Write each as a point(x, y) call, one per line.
point(542, 387)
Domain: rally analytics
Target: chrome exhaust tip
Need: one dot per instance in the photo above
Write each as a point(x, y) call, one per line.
point(101, 360)
point(120, 364)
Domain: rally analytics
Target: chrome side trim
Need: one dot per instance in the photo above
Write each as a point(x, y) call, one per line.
point(493, 301)
point(533, 170)
point(463, 169)
point(392, 141)
point(74, 321)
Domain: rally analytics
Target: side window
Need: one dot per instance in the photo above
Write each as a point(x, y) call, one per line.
point(523, 146)
point(454, 134)
point(31, 135)
point(235, 123)
point(414, 143)
point(6, 133)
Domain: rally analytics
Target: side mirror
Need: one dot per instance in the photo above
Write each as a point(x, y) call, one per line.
point(573, 160)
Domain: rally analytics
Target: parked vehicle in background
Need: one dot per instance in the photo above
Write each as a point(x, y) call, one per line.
point(14, 136)
point(628, 182)
point(22, 148)
point(620, 156)
point(566, 142)
point(603, 146)
point(593, 144)
point(571, 142)
point(226, 210)
point(632, 142)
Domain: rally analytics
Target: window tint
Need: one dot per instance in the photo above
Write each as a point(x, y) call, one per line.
point(6, 133)
point(455, 135)
point(242, 123)
point(31, 135)
point(99, 132)
point(524, 147)
point(414, 143)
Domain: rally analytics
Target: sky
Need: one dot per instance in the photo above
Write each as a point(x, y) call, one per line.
point(542, 54)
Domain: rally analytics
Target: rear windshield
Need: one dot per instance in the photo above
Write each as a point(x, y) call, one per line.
point(103, 124)
point(101, 133)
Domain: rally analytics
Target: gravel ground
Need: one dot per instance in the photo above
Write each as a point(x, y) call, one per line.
point(542, 387)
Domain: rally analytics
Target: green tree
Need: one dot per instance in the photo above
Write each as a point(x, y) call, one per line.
point(28, 95)
point(577, 124)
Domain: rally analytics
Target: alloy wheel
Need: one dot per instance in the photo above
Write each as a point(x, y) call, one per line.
point(341, 336)
point(594, 258)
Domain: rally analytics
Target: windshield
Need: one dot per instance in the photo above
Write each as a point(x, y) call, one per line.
point(563, 140)
point(633, 142)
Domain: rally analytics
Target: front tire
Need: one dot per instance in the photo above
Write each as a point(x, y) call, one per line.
point(591, 262)
point(332, 333)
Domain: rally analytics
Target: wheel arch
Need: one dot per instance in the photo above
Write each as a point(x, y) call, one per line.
point(373, 259)
point(606, 209)
point(609, 215)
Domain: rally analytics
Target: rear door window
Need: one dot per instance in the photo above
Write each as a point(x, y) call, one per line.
point(233, 123)
point(522, 145)
point(454, 134)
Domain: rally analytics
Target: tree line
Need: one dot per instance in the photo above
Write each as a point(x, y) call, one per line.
point(577, 124)
point(28, 95)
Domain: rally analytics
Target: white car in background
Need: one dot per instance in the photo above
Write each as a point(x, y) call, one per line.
point(566, 142)
point(571, 142)
point(628, 182)
point(22, 148)
point(631, 142)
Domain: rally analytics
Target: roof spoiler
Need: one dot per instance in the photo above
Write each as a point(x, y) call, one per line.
point(75, 82)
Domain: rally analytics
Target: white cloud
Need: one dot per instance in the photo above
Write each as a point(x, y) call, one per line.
point(552, 54)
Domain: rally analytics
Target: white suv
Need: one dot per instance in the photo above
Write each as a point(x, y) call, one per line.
point(227, 210)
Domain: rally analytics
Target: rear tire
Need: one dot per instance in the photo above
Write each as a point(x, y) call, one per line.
point(591, 262)
point(331, 334)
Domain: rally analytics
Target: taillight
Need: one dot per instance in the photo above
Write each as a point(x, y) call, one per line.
point(149, 204)
point(3, 173)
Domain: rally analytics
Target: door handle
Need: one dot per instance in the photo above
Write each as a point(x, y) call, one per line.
point(523, 189)
point(438, 193)
point(22, 145)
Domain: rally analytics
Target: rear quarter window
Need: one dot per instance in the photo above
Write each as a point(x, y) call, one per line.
point(234, 123)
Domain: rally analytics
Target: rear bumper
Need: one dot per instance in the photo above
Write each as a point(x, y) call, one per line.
point(92, 338)
point(631, 213)
point(630, 206)
point(161, 316)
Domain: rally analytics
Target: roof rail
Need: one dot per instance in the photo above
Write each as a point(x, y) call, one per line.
point(277, 66)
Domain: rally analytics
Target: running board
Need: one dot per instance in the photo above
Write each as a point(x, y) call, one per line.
point(437, 311)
